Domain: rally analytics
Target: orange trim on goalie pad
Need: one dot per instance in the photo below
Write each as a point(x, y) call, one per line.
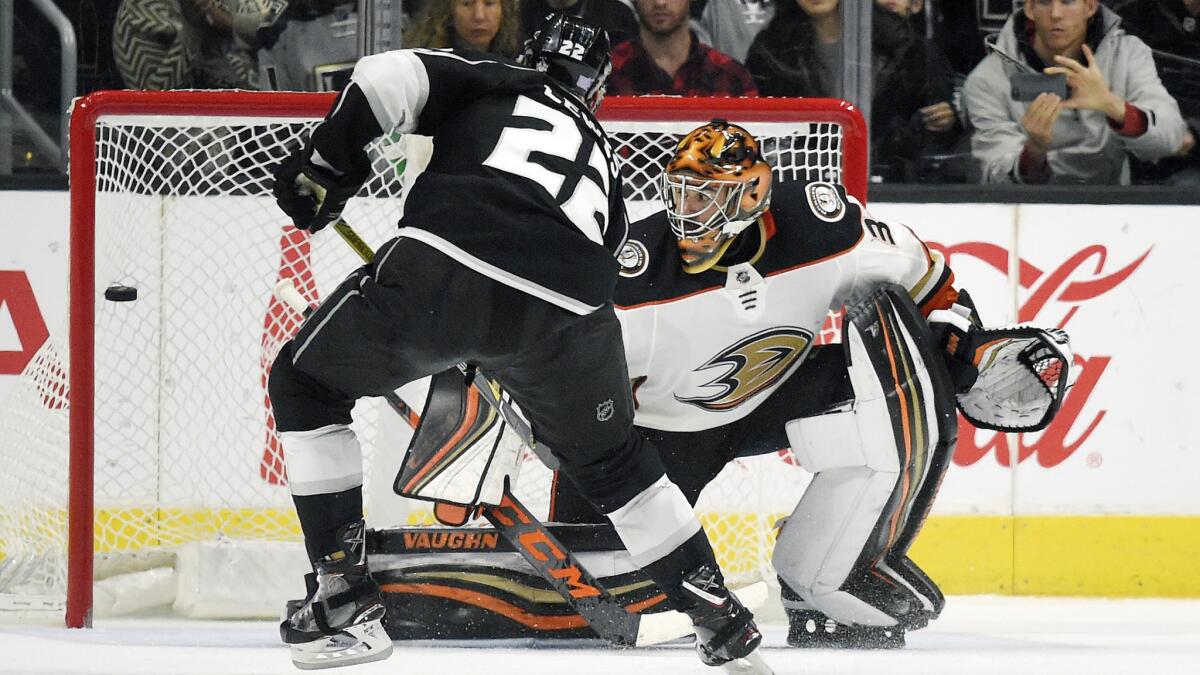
point(507, 609)
point(906, 425)
point(453, 515)
point(467, 424)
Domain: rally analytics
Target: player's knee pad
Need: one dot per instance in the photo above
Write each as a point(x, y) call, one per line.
point(876, 465)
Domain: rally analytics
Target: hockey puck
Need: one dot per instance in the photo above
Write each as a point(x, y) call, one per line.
point(120, 294)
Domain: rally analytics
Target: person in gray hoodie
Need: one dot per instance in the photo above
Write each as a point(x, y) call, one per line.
point(1115, 105)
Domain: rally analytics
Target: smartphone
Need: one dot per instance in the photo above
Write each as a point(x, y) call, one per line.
point(1027, 86)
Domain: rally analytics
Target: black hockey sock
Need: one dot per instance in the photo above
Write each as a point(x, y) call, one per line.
point(668, 572)
point(322, 515)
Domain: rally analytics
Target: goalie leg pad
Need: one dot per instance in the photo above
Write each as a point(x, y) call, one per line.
point(470, 584)
point(462, 451)
point(871, 463)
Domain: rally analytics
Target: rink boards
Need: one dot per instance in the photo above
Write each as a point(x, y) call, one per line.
point(1103, 502)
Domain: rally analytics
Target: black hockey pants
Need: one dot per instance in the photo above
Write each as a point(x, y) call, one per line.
point(416, 312)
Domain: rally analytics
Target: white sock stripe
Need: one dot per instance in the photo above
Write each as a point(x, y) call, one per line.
point(325, 486)
point(655, 522)
point(323, 460)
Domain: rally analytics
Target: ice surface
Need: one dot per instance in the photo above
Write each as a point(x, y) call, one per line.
point(976, 634)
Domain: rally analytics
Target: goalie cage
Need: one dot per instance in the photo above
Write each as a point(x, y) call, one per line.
point(141, 430)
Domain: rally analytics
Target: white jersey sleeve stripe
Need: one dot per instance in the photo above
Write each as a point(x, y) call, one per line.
point(396, 86)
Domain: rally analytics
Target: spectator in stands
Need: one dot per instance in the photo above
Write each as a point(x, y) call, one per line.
point(730, 26)
point(1116, 103)
point(799, 54)
point(667, 58)
point(613, 16)
point(1172, 26)
point(936, 118)
point(175, 44)
point(316, 49)
point(1172, 29)
point(909, 9)
point(483, 25)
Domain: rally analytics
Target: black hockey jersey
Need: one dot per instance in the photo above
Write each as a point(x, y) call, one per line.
point(522, 185)
point(706, 349)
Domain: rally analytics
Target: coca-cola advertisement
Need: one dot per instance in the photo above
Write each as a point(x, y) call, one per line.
point(1117, 279)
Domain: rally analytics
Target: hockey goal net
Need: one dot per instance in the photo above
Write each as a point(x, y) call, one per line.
point(142, 427)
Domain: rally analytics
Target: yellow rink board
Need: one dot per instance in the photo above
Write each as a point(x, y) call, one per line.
point(1111, 556)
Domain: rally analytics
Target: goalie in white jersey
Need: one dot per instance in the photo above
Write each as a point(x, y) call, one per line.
point(721, 354)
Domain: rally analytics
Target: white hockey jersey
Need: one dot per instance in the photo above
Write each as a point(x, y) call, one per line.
point(706, 349)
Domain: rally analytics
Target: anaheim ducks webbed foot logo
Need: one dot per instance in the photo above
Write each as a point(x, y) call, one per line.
point(751, 365)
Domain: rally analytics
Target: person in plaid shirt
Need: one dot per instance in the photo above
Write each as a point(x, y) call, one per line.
point(667, 58)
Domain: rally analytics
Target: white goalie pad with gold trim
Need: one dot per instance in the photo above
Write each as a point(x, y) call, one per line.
point(1024, 374)
point(461, 453)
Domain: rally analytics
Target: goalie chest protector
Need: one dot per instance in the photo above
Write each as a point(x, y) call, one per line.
point(704, 350)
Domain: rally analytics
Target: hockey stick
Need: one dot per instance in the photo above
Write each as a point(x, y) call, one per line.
point(537, 545)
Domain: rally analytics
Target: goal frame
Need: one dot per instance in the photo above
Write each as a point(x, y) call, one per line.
point(87, 110)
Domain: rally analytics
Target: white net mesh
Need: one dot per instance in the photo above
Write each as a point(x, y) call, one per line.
point(185, 448)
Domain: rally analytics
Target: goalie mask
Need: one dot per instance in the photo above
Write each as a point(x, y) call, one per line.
point(716, 185)
point(574, 54)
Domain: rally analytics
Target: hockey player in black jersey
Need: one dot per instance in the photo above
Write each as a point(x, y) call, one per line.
point(721, 299)
point(504, 260)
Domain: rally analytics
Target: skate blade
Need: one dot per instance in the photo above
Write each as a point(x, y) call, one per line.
point(753, 664)
point(357, 644)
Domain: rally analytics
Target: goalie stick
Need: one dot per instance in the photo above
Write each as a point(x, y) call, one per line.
point(541, 549)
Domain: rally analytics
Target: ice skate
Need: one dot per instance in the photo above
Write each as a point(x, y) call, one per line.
point(725, 632)
point(340, 622)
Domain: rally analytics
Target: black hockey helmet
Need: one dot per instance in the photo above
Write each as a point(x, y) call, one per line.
point(573, 53)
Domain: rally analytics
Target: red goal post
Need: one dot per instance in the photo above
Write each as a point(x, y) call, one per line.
point(209, 179)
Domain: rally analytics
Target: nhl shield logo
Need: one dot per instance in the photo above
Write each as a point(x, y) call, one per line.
point(825, 202)
point(604, 411)
point(633, 258)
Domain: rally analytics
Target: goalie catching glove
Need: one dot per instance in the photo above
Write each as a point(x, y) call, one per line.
point(1006, 379)
point(314, 195)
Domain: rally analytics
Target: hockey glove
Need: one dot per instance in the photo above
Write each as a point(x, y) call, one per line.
point(312, 195)
point(951, 329)
point(1024, 375)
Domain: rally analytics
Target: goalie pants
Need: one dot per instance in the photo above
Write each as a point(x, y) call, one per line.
point(694, 458)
